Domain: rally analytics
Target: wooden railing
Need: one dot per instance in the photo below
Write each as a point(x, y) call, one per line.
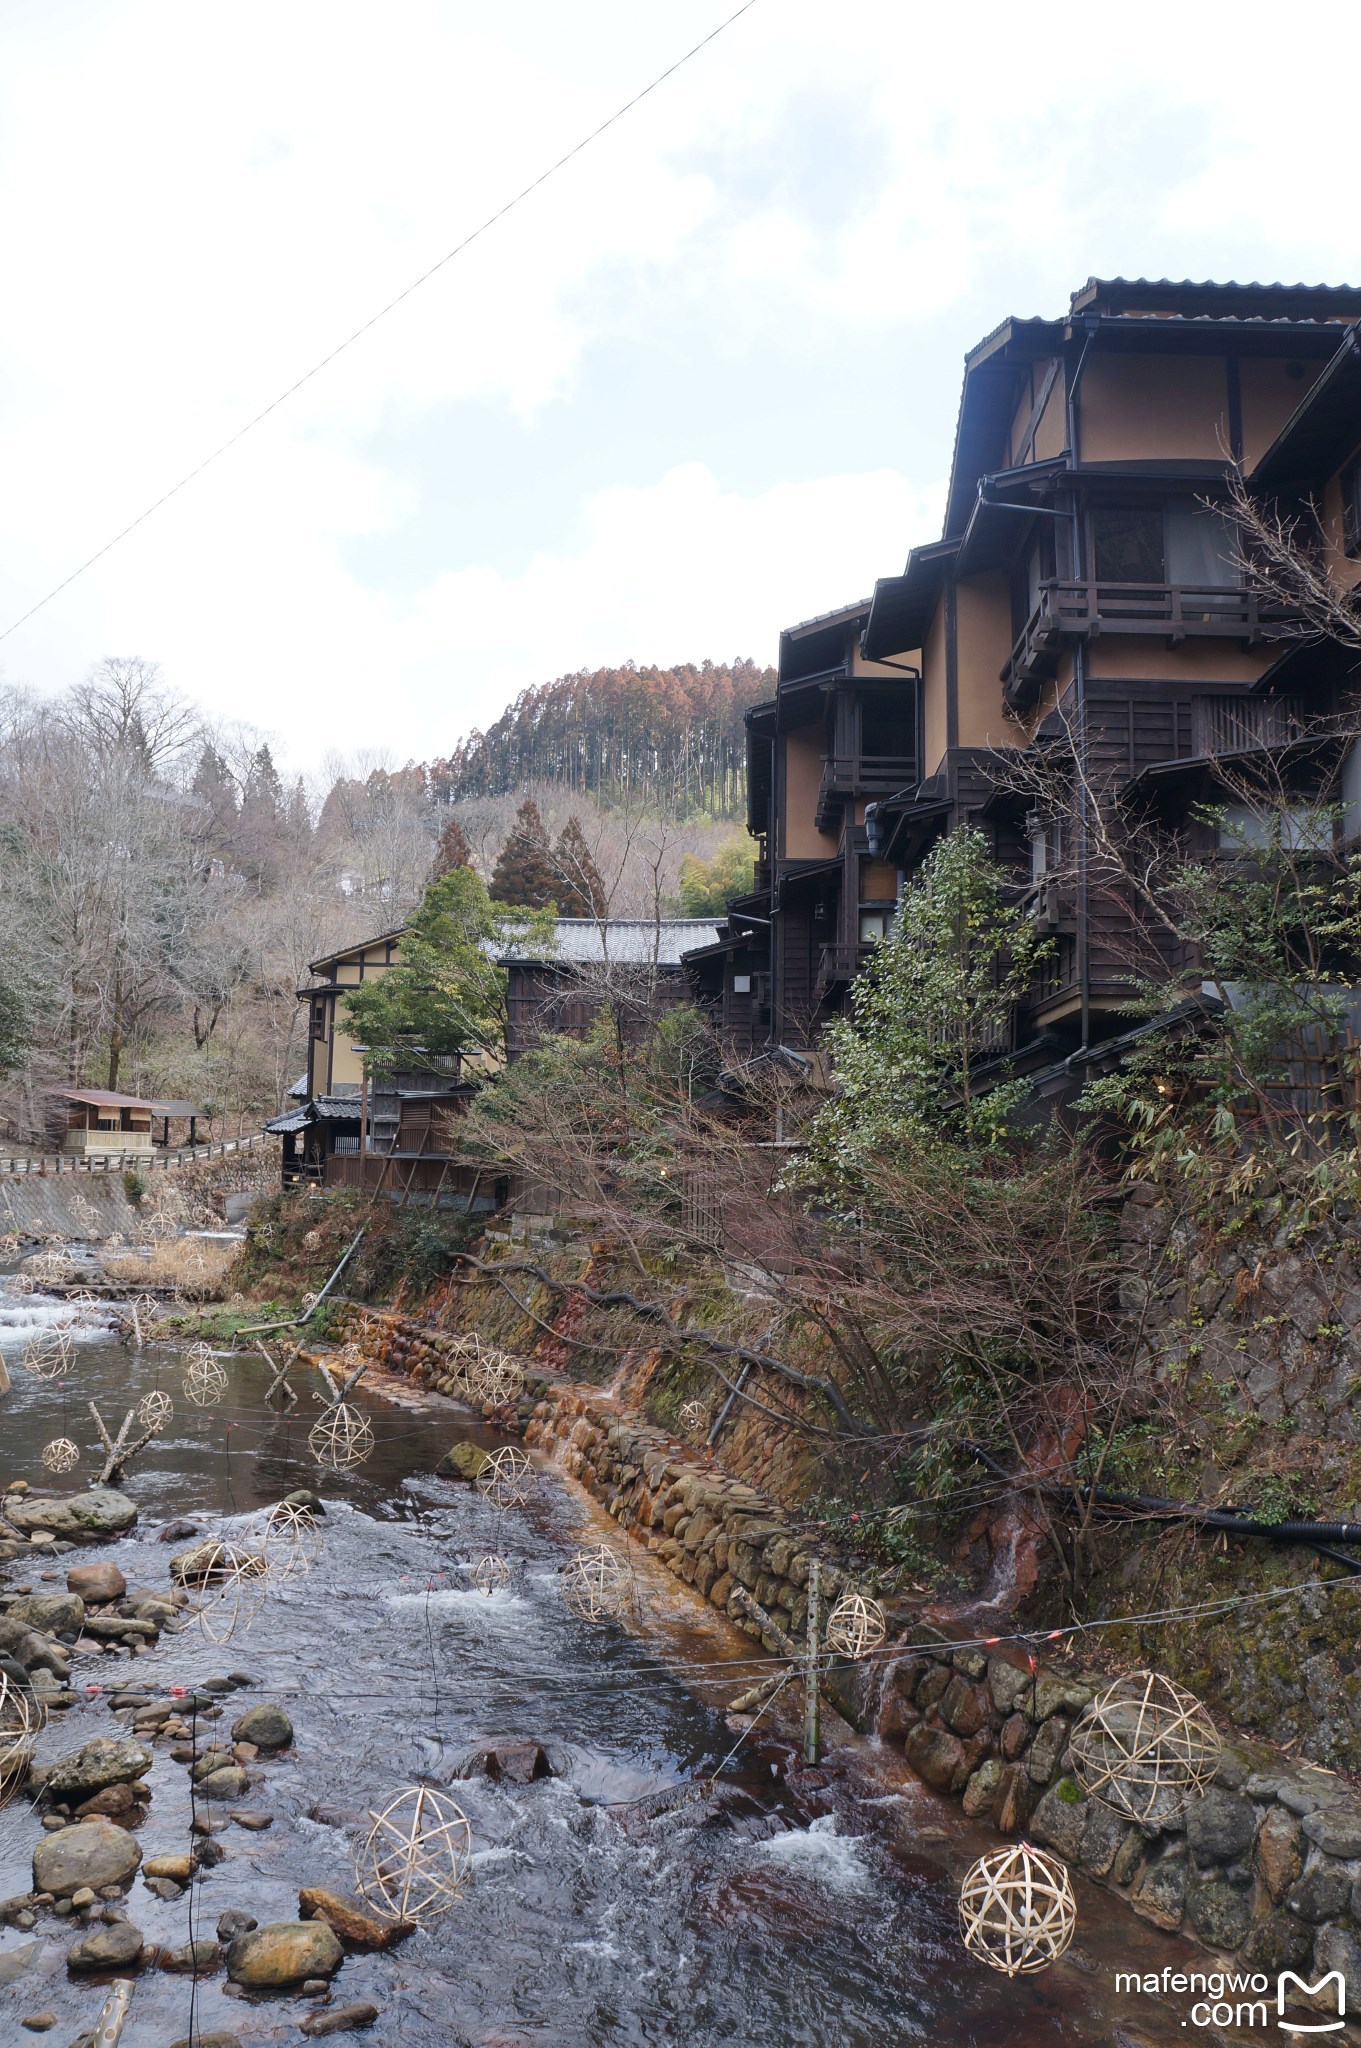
point(847, 775)
point(47, 1163)
point(1170, 611)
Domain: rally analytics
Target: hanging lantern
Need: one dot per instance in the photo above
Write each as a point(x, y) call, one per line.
point(491, 1574)
point(154, 1410)
point(49, 1356)
point(61, 1455)
point(415, 1861)
point(1017, 1912)
point(205, 1380)
point(855, 1626)
point(505, 1478)
point(595, 1584)
point(342, 1437)
point(1145, 1747)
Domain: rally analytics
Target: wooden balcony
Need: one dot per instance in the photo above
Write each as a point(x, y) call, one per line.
point(847, 776)
point(1171, 612)
point(841, 963)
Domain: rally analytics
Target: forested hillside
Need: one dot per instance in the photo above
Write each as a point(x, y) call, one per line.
point(668, 739)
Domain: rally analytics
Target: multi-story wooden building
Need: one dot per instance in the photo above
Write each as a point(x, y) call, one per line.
point(1087, 597)
point(841, 731)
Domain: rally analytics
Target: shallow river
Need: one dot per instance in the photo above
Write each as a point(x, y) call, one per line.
point(585, 1922)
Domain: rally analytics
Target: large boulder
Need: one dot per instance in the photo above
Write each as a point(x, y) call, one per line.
point(107, 1760)
point(266, 1726)
point(80, 1517)
point(96, 1582)
point(286, 1952)
point(54, 1614)
point(93, 1853)
point(462, 1461)
point(355, 1923)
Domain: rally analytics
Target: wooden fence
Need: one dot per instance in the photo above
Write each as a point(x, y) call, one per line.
point(49, 1163)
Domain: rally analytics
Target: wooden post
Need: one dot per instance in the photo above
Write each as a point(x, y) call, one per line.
point(812, 1731)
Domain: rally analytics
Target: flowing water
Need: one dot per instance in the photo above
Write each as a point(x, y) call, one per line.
point(753, 1920)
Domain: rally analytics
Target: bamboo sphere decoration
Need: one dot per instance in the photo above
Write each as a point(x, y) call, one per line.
point(61, 1455)
point(292, 1540)
point(496, 1377)
point(50, 1356)
point(205, 1381)
point(692, 1417)
point(343, 1436)
point(154, 1410)
point(1144, 1747)
point(415, 1861)
point(1017, 1912)
point(595, 1584)
point(855, 1626)
point(22, 1716)
point(238, 1596)
point(491, 1574)
point(504, 1479)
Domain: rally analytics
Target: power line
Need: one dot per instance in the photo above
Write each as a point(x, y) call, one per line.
point(382, 313)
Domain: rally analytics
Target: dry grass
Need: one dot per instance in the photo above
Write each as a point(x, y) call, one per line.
point(194, 1269)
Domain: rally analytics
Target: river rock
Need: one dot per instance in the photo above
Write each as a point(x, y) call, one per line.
point(1161, 1893)
point(112, 1802)
point(56, 1614)
point(107, 1760)
point(266, 1726)
point(234, 1922)
point(192, 1958)
point(197, 1567)
point(177, 1532)
point(228, 1783)
point(285, 1952)
point(208, 2041)
point(936, 1756)
point(519, 1763)
point(462, 1461)
point(23, 1646)
point(349, 1918)
point(1220, 1827)
point(1337, 1829)
point(80, 1516)
point(94, 1852)
point(15, 1961)
point(96, 1582)
point(340, 2019)
point(1280, 1853)
point(179, 1869)
point(110, 1947)
point(1220, 1913)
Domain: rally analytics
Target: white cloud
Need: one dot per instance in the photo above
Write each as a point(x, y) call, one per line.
point(195, 206)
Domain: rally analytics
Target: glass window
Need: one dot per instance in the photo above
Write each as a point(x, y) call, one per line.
point(873, 925)
point(1127, 543)
point(741, 984)
point(1201, 546)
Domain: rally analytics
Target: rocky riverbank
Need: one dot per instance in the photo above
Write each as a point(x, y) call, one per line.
point(1266, 1867)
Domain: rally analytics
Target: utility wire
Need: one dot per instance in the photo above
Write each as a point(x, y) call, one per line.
point(382, 313)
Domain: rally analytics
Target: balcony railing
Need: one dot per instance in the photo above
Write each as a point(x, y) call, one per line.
point(1169, 611)
point(841, 962)
point(850, 775)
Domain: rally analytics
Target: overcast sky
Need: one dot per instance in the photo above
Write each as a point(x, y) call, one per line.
point(701, 385)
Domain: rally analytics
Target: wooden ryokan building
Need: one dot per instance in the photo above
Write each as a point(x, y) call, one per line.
point(1085, 595)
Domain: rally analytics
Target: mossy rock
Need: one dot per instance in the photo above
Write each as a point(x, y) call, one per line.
point(462, 1461)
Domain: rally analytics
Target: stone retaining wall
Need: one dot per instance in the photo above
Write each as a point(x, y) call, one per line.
point(1266, 1867)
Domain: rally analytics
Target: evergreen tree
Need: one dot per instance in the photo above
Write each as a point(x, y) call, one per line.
point(525, 873)
point(452, 850)
point(580, 890)
point(215, 788)
point(262, 821)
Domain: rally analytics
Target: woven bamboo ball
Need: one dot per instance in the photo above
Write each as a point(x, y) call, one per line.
point(343, 1436)
point(855, 1626)
point(506, 1477)
point(50, 1356)
point(291, 1539)
point(205, 1380)
point(693, 1418)
point(22, 1716)
point(237, 1596)
point(416, 1859)
point(595, 1584)
point(1017, 1912)
point(61, 1455)
point(154, 1410)
point(490, 1574)
point(1145, 1747)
